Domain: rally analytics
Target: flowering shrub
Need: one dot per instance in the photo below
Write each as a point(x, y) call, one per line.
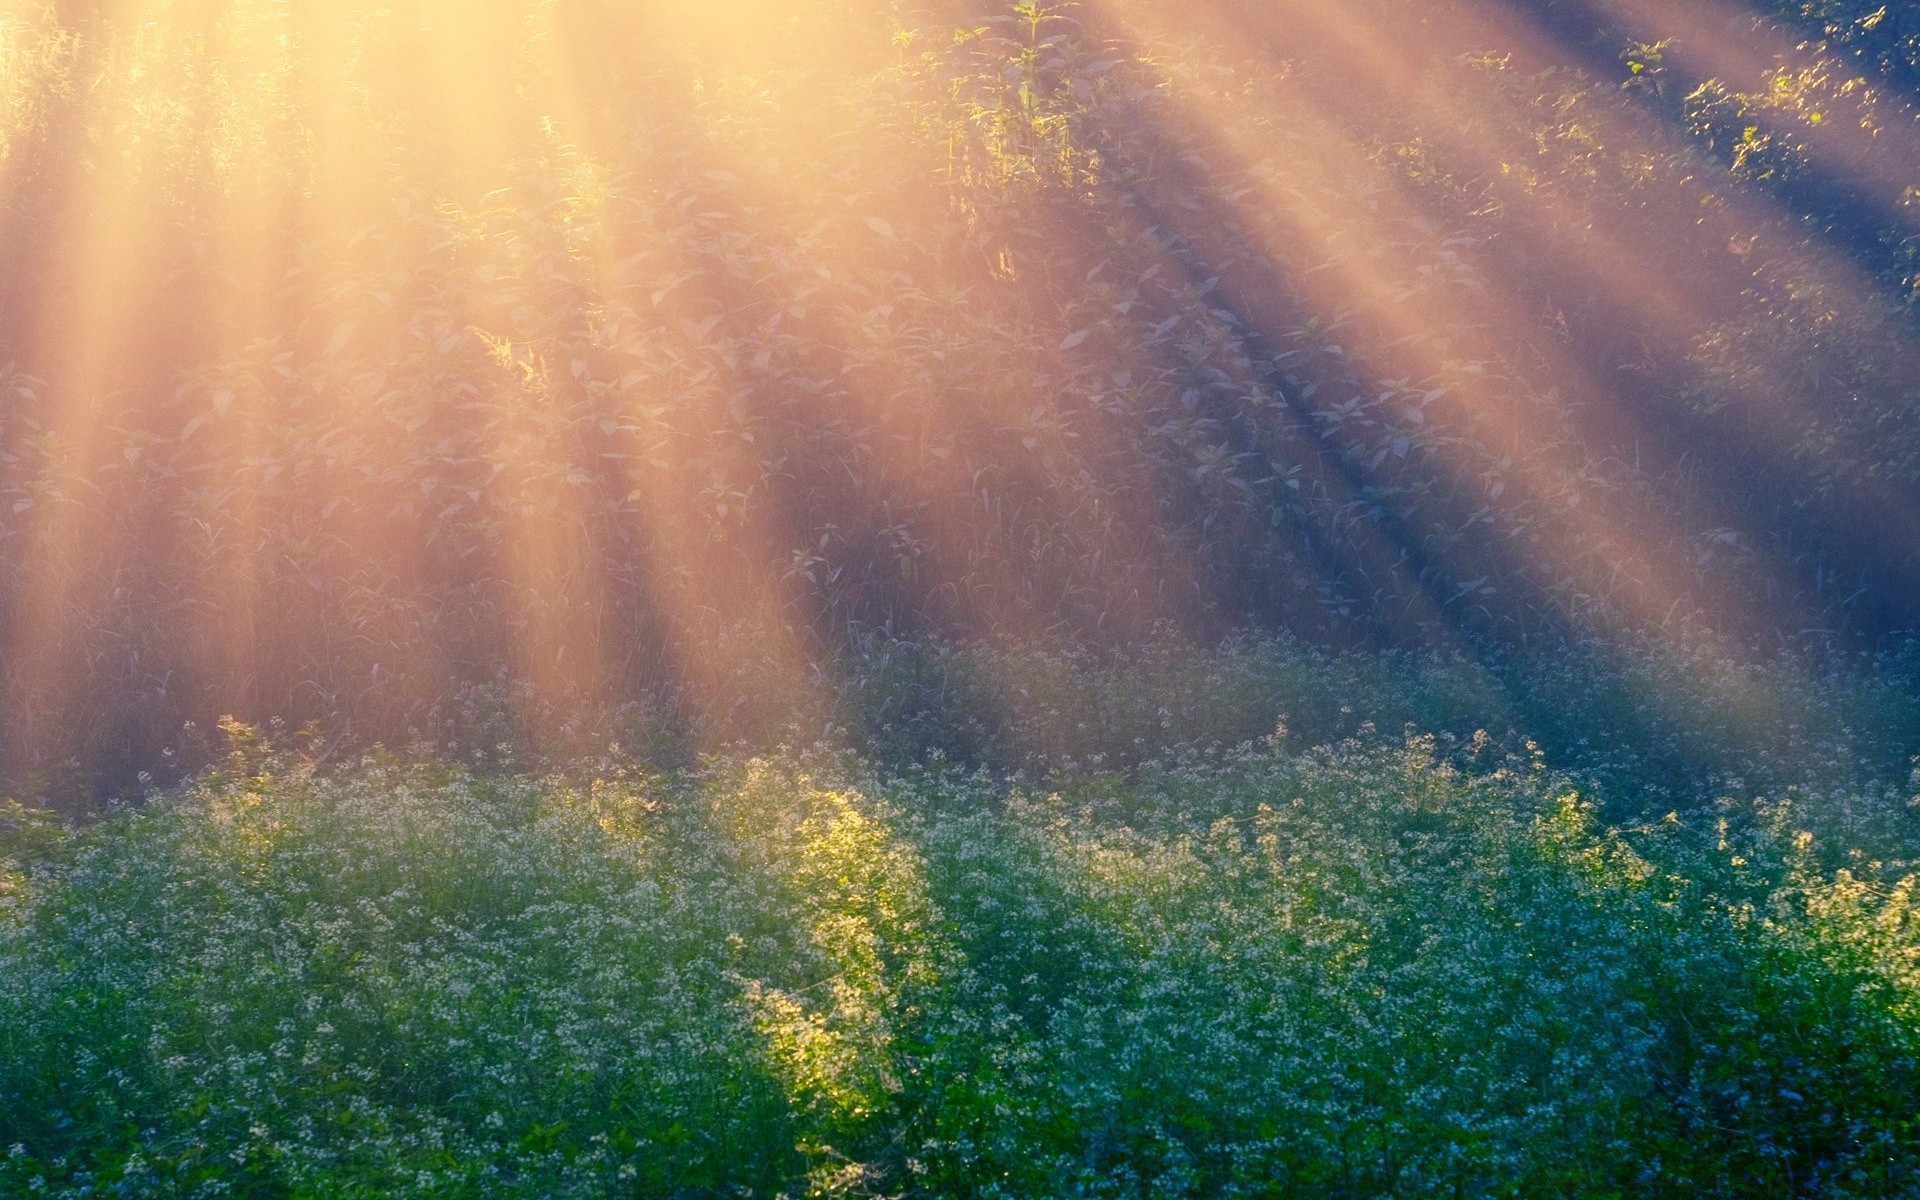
point(1358, 970)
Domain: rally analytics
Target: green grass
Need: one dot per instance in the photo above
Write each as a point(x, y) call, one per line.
point(1408, 969)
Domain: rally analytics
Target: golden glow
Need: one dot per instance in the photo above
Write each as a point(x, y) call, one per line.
point(1395, 313)
point(378, 346)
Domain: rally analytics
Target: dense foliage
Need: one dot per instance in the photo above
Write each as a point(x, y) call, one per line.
point(1352, 971)
point(1214, 935)
point(1002, 324)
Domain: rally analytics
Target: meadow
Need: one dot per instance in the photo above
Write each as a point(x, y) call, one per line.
point(1117, 957)
point(959, 598)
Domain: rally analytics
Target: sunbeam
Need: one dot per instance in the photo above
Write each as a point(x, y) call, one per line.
point(1124, 598)
point(384, 364)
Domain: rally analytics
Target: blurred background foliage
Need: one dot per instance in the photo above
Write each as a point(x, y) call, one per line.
point(513, 374)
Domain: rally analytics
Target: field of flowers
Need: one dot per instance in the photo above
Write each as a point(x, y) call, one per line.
point(1409, 966)
point(959, 598)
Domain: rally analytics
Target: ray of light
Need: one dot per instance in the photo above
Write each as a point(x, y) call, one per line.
point(1370, 287)
point(527, 256)
point(1630, 272)
point(1874, 148)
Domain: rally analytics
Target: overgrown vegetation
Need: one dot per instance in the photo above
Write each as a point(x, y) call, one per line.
point(1194, 925)
point(951, 599)
point(1351, 971)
